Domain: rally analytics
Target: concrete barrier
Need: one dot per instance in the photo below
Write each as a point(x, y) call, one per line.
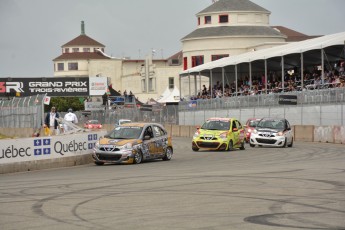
point(303, 133)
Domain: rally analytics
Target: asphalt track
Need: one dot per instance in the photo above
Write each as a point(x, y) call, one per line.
point(302, 187)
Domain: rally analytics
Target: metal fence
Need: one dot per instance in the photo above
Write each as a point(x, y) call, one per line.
point(21, 112)
point(28, 112)
point(309, 97)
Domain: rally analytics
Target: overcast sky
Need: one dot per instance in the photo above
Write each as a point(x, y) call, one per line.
point(33, 31)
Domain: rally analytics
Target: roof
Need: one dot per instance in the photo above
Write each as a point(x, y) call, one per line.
point(80, 56)
point(83, 40)
point(233, 5)
point(224, 31)
point(292, 35)
point(277, 51)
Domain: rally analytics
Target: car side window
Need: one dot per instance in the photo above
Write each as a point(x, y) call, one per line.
point(148, 132)
point(234, 124)
point(158, 131)
point(239, 125)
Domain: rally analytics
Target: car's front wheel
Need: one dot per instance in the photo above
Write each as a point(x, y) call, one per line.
point(291, 144)
point(99, 163)
point(168, 154)
point(251, 145)
point(194, 147)
point(138, 157)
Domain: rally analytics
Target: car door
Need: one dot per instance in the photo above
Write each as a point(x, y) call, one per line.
point(288, 132)
point(149, 147)
point(160, 139)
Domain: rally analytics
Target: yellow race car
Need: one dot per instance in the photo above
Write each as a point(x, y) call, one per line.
point(219, 134)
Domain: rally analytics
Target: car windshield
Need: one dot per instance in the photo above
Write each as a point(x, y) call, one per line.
point(125, 133)
point(216, 125)
point(271, 124)
point(253, 123)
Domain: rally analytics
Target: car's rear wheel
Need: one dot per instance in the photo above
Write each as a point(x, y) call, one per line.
point(242, 146)
point(168, 154)
point(99, 163)
point(230, 146)
point(291, 144)
point(138, 157)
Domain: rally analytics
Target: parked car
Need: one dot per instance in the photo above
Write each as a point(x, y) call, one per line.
point(219, 134)
point(275, 132)
point(92, 124)
point(250, 126)
point(133, 143)
point(122, 121)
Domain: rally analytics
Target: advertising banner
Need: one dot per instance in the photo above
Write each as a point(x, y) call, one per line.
point(57, 86)
point(98, 86)
point(287, 100)
point(42, 148)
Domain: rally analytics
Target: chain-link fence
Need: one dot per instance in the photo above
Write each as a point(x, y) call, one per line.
point(23, 112)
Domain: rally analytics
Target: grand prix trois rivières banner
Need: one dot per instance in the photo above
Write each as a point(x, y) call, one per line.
point(57, 86)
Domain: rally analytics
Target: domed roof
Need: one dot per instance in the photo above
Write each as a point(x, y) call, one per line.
point(233, 5)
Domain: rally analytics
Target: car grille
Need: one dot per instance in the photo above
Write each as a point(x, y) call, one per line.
point(208, 138)
point(265, 141)
point(202, 144)
point(266, 135)
point(109, 149)
point(105, 157)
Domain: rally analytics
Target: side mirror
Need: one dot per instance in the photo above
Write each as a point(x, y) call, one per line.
point(198, 127)
point(235, 129)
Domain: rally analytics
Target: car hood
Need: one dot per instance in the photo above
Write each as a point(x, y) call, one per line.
point(268, 130)
point(211, 132)
point(108, 141)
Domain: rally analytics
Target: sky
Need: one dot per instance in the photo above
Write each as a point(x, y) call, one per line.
point(33, 31)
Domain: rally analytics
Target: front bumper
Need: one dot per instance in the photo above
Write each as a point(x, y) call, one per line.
point(276, 141)
point(125, 157)
point(214, 144)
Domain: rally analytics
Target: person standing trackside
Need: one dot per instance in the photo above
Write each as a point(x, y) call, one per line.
point(71, 117)
point(51, 122)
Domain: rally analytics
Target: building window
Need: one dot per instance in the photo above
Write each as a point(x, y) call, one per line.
point(75, 50)
point(86, 50)
point(171, 83)
point(198, 21)
point(223, 18)
point(73, 66)
point(185, 63)
point(143, 85)
point(60, 67)
point(152, 84)
point(197, 60)
point(207, 19)
point(66, 50)
point(218, 56)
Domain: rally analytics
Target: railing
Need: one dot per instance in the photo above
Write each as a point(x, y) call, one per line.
point(320, 96)
point(21, 112)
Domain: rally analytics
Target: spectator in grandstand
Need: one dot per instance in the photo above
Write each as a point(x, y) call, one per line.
point(51, 123)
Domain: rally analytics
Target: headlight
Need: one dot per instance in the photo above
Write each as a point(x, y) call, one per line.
point(223, 135)
point(254, 131)
point(97, 145)
point(196, 134)
point(250, 130)
point(280, 134)
point(128, 146)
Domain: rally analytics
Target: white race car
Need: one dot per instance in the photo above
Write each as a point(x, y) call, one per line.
point(275, 132)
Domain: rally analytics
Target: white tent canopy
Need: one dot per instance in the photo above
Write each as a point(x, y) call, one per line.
point(170, 96)
point(278, 51)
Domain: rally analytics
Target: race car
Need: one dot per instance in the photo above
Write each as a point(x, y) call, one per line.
point(219, 134)
point(274, 132)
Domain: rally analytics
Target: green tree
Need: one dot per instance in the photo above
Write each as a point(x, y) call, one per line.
point(62, 104)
